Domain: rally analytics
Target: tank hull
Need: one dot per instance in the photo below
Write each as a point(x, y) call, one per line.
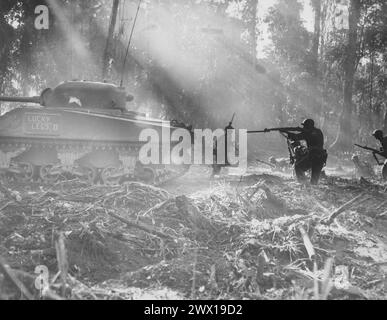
point(96, 145)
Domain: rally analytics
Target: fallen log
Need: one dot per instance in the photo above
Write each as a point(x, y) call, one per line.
point(140, 226)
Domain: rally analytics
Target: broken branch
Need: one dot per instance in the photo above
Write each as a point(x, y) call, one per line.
point(139, 226)
point(343, 208)
point(7, 271)
point(307, 243)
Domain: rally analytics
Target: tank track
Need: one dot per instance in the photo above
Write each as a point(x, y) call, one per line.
point(48, 160)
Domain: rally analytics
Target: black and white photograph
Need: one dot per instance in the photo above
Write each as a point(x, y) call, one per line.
point(206, 152)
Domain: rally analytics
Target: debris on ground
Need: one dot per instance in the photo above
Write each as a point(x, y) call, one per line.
point(259, 237)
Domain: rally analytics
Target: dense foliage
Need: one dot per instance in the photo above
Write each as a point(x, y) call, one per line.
point(195, 60)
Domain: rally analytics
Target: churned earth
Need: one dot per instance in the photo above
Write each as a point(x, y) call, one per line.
point(259, 235)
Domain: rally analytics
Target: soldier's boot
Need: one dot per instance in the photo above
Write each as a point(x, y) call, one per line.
point(316, 172)
point(300, 174)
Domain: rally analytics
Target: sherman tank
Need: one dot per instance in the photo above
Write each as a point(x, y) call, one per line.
point(80, 129)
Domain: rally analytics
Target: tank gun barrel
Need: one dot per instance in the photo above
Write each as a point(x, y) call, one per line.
point(35, 99)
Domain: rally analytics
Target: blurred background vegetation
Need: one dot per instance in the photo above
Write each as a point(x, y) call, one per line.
point(274, 62)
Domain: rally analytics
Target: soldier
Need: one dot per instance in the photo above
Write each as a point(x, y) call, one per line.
point(378, 135)
point(217, 167)
point(314, 157)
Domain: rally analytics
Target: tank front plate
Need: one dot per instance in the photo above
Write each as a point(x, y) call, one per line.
point(42, 124)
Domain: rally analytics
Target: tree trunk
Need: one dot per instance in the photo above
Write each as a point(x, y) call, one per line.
point(252, 27)
point(317, 100)
point(316, 36)
point(112, 25)
point(385, 122)
point(344, 138)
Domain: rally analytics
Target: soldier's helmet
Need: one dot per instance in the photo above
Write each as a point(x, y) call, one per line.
point(308, 123)
point(378, 134)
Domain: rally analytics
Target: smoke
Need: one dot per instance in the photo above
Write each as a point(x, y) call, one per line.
point(202, 52)
point(66, 52)
point(192, 58)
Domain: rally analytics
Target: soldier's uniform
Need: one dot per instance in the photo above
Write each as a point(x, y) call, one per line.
point(378, 134)
point(217, 167)
point(314, 157)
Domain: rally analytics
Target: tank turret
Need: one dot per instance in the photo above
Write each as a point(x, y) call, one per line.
point(79, 94)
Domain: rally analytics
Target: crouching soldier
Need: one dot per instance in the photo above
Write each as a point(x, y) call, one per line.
point(312, 158)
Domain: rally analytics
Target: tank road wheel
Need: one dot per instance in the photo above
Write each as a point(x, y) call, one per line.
point(5, 175)
point(148, 176)
point(26, 172)
point(89, 174)
point(47, 174)
point(111, 176)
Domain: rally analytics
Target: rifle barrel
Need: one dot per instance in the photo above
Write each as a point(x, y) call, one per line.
point(368, 148)
point(258, 131)
point(288, 129)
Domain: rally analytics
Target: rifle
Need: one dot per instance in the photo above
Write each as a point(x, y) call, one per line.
point(230, 123)
point(283, 131)
point(286, 130)
point(374, 152)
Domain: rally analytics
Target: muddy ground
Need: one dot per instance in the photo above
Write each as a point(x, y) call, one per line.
point(257, 236)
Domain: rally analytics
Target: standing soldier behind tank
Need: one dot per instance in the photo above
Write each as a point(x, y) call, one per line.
point(216, 167)
point(315, 157)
